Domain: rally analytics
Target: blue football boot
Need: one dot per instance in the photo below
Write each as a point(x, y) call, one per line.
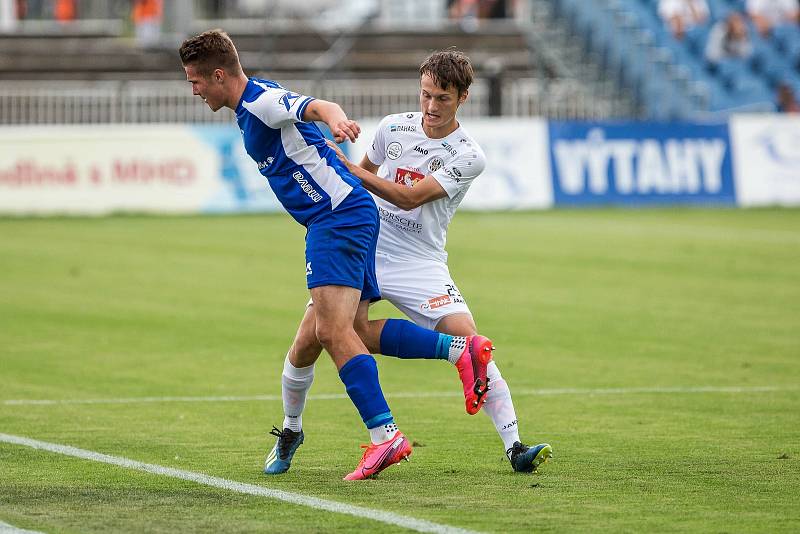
point(526, 459)
point(280, 457)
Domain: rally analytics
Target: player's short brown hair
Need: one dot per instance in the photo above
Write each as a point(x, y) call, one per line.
point(211, 50)
point(447, 68)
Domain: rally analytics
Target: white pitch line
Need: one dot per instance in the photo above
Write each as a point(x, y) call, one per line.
point(390, 518)
point(5, 528)
point(419, 394)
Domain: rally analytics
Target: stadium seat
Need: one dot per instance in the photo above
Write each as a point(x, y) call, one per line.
point(670, 77)
point(696, 40)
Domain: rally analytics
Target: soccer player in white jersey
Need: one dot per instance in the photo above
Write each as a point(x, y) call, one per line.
point(419, 167)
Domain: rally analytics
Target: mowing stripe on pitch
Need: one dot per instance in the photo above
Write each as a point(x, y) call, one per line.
point(5, 528)
point(397, 520)
point(419, 394)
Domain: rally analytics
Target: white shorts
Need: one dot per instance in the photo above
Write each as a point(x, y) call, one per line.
point(421, 289)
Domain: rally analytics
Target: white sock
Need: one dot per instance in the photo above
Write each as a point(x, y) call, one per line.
point(500, 407)
point(295, 383)
point(457, 346)
point(382, 433)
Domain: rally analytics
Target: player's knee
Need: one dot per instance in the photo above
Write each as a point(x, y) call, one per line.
point(305, 351)
point(306, 338)
point(326, 334)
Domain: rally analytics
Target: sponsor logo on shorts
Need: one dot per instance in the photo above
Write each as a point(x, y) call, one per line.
point(437, 302)
point(453, 296)
point(309, 272)
point(394, 150)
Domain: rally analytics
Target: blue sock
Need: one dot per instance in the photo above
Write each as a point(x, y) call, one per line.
point(360, 377)
point(404, 339)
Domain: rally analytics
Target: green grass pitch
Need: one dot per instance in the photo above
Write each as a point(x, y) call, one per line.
point(622, 302)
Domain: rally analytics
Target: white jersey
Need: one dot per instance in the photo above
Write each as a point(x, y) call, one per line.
point(406, 155)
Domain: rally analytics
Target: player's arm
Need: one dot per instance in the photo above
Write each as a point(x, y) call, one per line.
point(407, 198)
point(332, 114)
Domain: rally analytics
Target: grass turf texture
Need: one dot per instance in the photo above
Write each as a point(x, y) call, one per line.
point(206, 306)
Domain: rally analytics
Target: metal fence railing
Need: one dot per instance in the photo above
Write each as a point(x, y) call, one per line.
point(72, 102)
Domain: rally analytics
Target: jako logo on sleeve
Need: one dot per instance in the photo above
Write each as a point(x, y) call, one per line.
point(638, 163)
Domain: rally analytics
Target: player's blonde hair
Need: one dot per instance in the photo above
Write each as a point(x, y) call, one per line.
point(447, 68)
point(211, 50)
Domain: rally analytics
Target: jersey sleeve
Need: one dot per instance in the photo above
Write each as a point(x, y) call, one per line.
point(277, 107)
point(457, 175)
point(377, 150)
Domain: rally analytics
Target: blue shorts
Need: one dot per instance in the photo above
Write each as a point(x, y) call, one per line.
point(340, 248)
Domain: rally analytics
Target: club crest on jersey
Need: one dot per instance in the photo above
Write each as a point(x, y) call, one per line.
point(407, 177)
point(394, 150)
point(435, 164)
point(288, 99)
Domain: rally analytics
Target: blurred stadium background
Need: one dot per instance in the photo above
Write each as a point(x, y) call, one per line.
point(565, 75)
point(114, 61)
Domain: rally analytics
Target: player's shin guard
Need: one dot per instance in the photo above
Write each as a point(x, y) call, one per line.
point(360, 377)
point(404, 339)
point(389, 445)
point(295, 384)
point(500, 408)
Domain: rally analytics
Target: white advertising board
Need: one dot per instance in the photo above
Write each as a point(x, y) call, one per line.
point(95, 170)
point(766, 150)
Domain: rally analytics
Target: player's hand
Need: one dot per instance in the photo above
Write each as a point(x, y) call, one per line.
point(346, 129)
point(339, 153)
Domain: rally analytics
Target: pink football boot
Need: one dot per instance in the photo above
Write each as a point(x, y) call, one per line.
point(472, 371)
point(378, 457)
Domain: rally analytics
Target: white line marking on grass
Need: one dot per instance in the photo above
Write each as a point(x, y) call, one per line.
point(5, 528)
point(397, 520)
point(419, 394)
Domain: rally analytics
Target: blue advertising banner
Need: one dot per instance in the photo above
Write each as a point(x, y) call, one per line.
point(633, 163)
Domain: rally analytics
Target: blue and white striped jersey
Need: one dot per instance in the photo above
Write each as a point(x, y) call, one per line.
point(305, 174)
